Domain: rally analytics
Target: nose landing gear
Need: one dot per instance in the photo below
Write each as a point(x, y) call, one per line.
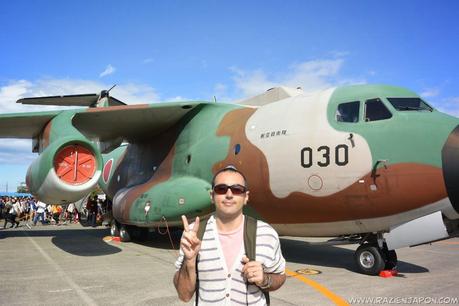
point(371, 259)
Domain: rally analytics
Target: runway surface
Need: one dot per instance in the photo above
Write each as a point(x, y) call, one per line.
point(76, 265)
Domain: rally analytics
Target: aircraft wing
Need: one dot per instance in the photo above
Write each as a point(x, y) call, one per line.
point(24, 125)
point(131, 122)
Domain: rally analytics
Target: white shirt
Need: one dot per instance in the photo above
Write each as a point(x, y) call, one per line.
point(41, 207)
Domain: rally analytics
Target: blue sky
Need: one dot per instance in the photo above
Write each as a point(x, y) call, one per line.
point(160, 51)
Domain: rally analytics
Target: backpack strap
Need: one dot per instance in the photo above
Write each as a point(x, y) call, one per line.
point(250, 237)
point(250, 244)
point(202, 227)
point(200, 235)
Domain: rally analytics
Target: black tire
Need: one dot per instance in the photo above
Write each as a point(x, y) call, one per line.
point(125, 235)
point(114, 229)
point(369, 259)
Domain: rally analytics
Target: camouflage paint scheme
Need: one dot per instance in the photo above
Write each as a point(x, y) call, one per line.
point(372, 176)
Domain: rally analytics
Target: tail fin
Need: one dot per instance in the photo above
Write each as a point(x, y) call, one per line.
point(92, 100)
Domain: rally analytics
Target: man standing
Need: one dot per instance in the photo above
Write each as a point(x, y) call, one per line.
point(41, 208)
point(32, 209)
point(91, 206)
point(217, 268)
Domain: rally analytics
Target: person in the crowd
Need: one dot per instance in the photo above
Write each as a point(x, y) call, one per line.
point(15, 211)
point(69, 212)
point(40, 214)
point(91, 206)
point(2, 207)
point(32, 210)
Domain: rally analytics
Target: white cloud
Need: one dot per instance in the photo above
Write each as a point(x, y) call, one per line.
point(310, 75)
point(133, 93)
point(148, 60)
point(108, 70)
point(448, 105)
point(371, 72)
point(220, 88)
point(16, 151)
point(253, 82)
point(15, 144)
point(176, 99)
point(430, 92)
point(221, 92)
point(339, 54)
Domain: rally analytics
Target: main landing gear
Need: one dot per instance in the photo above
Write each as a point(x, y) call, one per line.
point(128, 232)
point(373, 256)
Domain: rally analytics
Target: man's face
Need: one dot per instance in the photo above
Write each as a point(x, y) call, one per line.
point(229, 204)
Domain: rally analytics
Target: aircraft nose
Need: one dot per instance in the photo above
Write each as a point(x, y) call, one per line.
point(450, 165)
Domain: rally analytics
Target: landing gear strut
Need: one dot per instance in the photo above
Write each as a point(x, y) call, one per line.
point(371, 259)
point(391, 258)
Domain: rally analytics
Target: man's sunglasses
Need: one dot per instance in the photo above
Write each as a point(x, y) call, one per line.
point(235, 189)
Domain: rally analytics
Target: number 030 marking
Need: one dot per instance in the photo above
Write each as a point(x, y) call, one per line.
point(322, 156)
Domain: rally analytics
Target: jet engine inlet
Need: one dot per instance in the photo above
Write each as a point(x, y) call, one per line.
point(74, 164)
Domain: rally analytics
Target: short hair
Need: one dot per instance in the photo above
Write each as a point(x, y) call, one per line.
point(229, 168)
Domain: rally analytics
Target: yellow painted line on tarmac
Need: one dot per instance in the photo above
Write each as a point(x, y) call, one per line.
point(330, 295)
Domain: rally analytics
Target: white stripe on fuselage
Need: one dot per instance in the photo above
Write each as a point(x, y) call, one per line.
point(304, 120)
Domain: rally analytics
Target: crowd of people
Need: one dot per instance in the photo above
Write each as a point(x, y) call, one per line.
point(30, 211)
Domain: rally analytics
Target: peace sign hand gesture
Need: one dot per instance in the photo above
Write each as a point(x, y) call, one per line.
point(190, 244)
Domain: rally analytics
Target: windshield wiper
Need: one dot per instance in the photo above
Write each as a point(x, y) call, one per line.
point(413, 108)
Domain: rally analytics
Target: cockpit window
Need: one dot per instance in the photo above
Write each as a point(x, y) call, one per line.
point(348, 112)
point(376, 110)
point(409, 104)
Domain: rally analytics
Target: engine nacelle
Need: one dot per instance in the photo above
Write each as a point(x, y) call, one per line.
point(66, 171)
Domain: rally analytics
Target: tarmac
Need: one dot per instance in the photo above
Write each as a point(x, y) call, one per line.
point(76, 265)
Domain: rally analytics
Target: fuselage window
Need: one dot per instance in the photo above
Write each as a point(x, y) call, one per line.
point(376, 110)
point(348, 112)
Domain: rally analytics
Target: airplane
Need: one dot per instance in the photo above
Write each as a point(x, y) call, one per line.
point(373, 165)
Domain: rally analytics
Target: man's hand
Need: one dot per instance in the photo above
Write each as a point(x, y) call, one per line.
point(185, 278)
point(190, 244)
point(253, 271)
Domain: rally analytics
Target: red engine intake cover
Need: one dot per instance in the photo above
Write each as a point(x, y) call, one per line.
point(75, 164)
